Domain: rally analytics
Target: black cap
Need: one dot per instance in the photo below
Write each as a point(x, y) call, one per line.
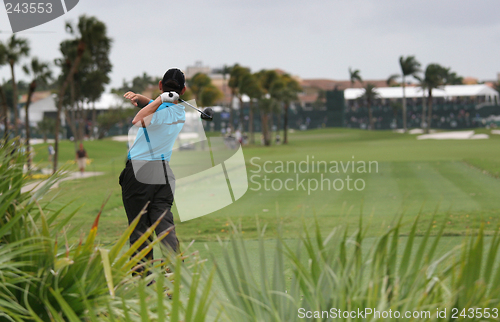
point(175, 75)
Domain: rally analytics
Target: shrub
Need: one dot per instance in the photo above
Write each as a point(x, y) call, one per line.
point(333, 272)
point(43, 278)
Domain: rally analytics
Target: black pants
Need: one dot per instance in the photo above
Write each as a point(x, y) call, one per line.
point(135, 195)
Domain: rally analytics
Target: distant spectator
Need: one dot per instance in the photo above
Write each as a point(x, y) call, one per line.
point(51, 152)
point(238, 136)
point(81, 158)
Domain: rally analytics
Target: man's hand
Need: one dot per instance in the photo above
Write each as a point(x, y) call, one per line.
point(137, 99)
point(133, 97)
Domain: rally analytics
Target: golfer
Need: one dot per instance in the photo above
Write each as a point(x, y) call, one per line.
point(81, 158)
point(159, 124)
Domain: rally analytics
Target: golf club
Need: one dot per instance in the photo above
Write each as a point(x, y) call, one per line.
point(171, 97)
point(205, 116)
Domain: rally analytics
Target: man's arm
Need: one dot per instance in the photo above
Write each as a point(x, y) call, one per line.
point(137, 99)
point(141, 118)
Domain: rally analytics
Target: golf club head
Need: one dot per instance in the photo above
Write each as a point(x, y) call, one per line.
point(208, 111)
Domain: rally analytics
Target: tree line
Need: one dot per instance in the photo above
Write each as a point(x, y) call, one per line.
point(269, 92)
point(84, 72)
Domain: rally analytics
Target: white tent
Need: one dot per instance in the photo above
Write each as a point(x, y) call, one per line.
point(415, 92)
point(470, 90)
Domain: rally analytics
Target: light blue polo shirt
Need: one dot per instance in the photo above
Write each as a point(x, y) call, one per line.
point(155, 142)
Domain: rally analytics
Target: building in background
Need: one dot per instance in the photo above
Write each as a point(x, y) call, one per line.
point(313, 90)
point(197, 68)
point(43, 104)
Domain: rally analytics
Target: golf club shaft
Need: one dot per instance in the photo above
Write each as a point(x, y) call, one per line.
point(183, 101)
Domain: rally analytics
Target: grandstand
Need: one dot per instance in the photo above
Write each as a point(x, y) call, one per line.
point(454, 106)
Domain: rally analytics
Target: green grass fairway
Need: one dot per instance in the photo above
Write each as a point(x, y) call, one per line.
point(458, 178)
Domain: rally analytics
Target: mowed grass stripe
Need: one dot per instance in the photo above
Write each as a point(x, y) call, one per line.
point(380, 195)
point(410, 184)
point(383, 191)
point(443, 192)
point(480, 187)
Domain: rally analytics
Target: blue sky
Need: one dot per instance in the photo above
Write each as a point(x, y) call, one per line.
point(313, 39)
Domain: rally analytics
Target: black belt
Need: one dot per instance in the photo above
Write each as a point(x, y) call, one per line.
point(129, 162)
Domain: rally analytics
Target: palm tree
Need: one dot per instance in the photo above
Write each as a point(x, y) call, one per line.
point(276, 92)
point(5, 109)
point(435, 77)
point(250, 86)
point(236, 75)
point(89, 34)
point(452, 78)
point(423, 86)
point(409, 67)
point(45, 127)
point(285, 90)
point(3, 98)
point(277, 108)
point(16, 49)
point(355, 75)
point(89, 81)
point(267, 78)
point(391, 80)
point(233, 87)
point(41, 73)
point(369, 96)
point(266, 105)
